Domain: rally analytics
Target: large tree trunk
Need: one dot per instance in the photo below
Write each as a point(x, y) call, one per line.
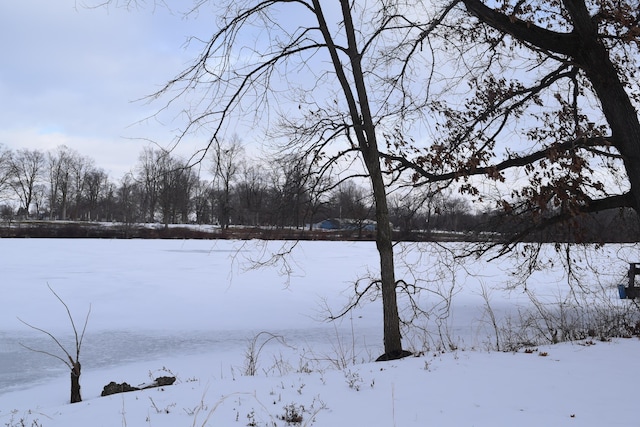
point(622, 117)
point(624, 124)
point(584, 47)
point(384, 244)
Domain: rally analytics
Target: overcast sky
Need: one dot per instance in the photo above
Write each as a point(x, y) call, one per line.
point(72, 75)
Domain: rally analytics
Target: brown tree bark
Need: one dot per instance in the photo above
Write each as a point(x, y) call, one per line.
point(75, 383)
point(384, 244)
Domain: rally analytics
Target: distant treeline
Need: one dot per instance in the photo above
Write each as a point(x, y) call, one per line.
point(61, 189)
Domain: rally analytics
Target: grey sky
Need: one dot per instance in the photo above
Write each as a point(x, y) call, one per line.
point(70, 75)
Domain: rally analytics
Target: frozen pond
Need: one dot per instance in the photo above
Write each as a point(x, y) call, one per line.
point(21, 368)
point(155, 300)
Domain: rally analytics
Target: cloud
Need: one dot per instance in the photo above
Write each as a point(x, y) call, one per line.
point(73, 75)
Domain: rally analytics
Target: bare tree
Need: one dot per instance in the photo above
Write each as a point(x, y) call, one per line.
point(5, 169)
point(175, 182)
point(303, 191)
point(290, 197)
point(39, 199)
point(412, 211)
point(128, 208)
point(319, 195)
point(339, 83)
point(251, 193)
point(227, 159)
point(72, 362)
point(81, 166)
point(202, 203)
point(97, 183)
point(26, 168)
point(59, 171)
point(354, 204)
point(147, 175)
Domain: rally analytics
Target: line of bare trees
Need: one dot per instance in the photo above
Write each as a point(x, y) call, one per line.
point(227, 188)
point(57, 184)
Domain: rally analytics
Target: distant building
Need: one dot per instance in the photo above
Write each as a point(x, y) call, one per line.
point(328, 224)
point(346, 224)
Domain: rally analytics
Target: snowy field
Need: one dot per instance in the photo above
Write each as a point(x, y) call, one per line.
point(191, 309)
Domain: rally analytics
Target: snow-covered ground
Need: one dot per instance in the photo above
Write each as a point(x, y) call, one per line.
point(191, 309)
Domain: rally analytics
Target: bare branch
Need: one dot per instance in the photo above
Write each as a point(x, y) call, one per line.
point(70, 365)
point(358, 295)
point(511, 162)
point(562, 43)
point(78, 338)
point(73, 325)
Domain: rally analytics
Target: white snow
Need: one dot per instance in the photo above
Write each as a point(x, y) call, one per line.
point(191, 308)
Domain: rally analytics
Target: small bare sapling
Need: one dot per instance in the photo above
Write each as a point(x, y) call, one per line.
point(71, 362)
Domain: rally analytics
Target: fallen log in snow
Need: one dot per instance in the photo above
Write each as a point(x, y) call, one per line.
point(113, 387)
